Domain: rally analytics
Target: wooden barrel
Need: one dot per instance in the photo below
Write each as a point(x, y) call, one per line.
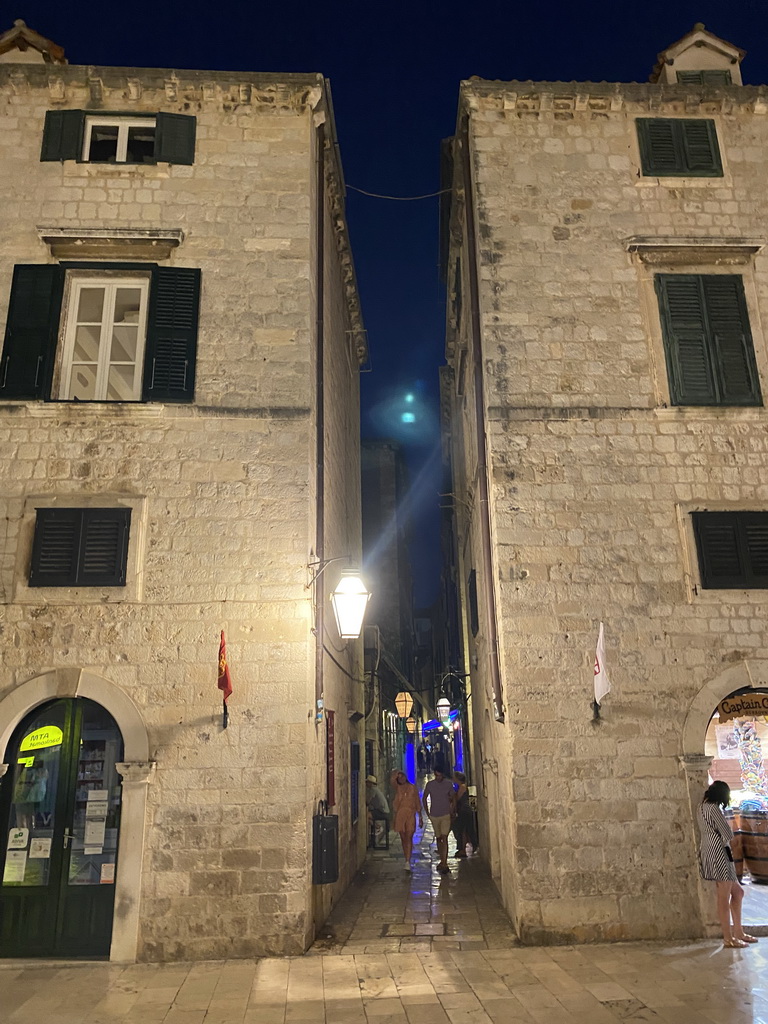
point(750, 843)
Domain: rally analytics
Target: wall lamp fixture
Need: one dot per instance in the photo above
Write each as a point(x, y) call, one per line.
point(349, 599)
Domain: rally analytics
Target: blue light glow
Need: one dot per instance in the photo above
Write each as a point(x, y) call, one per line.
point(409, 398)
point(408, 417)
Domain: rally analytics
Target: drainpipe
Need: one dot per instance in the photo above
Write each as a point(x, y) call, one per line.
point(480, 429)
point(320, 424)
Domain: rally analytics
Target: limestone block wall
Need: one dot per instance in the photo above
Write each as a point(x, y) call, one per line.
point(221, 491)
point(593, 477)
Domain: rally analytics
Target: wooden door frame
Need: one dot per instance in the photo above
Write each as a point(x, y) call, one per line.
point(136, 770)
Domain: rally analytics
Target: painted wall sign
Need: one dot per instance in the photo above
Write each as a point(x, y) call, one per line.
point(47, 736)
point(330, 756)
point(748, 705)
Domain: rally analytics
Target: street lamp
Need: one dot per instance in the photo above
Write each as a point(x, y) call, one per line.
point(410, 725)
point(349, 601)
point(403, 703)
point(443, 709)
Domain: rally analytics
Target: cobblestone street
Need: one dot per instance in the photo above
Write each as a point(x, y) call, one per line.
point(400, 949)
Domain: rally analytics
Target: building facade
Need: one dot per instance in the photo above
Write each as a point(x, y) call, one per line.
point(179, 302)
point(608, 291)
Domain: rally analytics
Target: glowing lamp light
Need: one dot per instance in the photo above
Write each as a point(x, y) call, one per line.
point(408, 417)
point(349, 601)
point(410, 725)
point(443, 709)
point(403, 703)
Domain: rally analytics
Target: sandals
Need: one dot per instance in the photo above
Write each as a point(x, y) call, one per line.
point(734, 944)
point(749, 939)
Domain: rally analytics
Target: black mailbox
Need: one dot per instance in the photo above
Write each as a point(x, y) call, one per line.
point(325, 848)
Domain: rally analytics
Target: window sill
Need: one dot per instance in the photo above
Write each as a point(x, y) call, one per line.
point(692, 251)
point(742, 413)
point(79, 411)
point(112, 243)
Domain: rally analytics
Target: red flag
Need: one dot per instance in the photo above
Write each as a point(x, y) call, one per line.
point(225, 683)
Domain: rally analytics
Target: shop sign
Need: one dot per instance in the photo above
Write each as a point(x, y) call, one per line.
point(47, 736)
point(748, 705)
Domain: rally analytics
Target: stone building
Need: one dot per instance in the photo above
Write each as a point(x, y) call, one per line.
point(608, 288)
point(179, 306)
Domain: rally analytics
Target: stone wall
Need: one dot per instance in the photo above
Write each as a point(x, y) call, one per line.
point(593, 474)
point(222, 491)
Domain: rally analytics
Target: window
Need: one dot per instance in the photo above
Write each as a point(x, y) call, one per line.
point(80, 547)
point(128, 332)
point(118, 137)
point(708, 344)
point(733, 549)
point(720, 76)
point(104, 340)
point(677, 147)
point(110, 140)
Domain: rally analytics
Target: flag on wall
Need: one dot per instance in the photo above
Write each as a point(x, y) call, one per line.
point(602, 682)
point(225, 681)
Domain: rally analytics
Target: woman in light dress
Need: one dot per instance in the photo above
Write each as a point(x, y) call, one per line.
point(406, 807)
point(716, 864)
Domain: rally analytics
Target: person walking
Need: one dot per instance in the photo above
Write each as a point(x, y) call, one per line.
point(464, 823)
point(439, 801)
point(378, 808)
point(716, 864)
point(406, 806)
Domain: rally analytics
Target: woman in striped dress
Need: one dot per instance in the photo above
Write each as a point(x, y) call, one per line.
point(716, 864)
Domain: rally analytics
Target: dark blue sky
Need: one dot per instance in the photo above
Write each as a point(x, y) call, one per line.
point(395, 70)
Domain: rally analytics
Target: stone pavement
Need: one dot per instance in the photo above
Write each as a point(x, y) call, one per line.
point(424, 950)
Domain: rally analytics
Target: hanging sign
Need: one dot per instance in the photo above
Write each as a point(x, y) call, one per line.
point(46, 736)
point(747, 705)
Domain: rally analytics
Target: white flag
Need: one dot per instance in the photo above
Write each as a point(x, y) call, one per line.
point(602, 682)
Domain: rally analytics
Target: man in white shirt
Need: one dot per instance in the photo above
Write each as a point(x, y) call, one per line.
point(441, 796)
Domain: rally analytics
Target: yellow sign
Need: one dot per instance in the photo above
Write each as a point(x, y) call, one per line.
point(748, 705)
point(48, 736)
point(27, 761)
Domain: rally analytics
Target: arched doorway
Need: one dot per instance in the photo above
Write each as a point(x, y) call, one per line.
point(60, 813)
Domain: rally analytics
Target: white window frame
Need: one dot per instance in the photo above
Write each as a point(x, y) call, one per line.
point(110, 284)
point(122, 124)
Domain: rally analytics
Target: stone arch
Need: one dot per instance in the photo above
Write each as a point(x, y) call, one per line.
point(736, 677)
point(136, 771)
point(74, 682)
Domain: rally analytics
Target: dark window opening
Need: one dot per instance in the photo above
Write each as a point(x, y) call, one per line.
point(103, 147)
point(677, 147)
point(732, 549)
point(474, 618)
point(712, 76)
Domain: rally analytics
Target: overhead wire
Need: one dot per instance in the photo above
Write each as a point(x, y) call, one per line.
point(398, 199)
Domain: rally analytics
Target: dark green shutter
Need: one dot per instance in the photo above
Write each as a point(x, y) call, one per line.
point(702, 154)
point(55, 548)
point(474, 615)
point(175, 138)
point(710, 77)
point(171, 351)
point(674, 147)
point(689, 363)
point(732, 549)
point(710, 356)
point(62, 135)
point(733, 351)
point(659, 152)
point(80, 547)
point(31, 331)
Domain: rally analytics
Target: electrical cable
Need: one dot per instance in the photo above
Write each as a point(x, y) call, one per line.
point(399, 199)
point(346, 673)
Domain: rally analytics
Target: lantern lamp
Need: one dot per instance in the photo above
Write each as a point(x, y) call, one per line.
point(410, 725)
point(403, 703)
point(349, 601)
point(443, 708)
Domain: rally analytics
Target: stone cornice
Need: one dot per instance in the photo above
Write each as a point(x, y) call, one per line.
point(566, 99)
point(693, 251)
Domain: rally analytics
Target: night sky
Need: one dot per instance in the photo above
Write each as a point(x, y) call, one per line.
point(395, 70)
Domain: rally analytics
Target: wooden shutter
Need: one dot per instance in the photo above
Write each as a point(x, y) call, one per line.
point(175, 138)
point(169, 362)
point(678, 148)
point(701, 152)
point(683, 318)
point(63, 135)
point(80, 547)
point(733, 351)
point(31, 331)
point(55, 547)
point(104, 547)
point(710, 77)
point(732, 549)
point(659, 148)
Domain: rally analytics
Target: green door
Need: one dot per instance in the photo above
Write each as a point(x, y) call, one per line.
point(60, 814)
